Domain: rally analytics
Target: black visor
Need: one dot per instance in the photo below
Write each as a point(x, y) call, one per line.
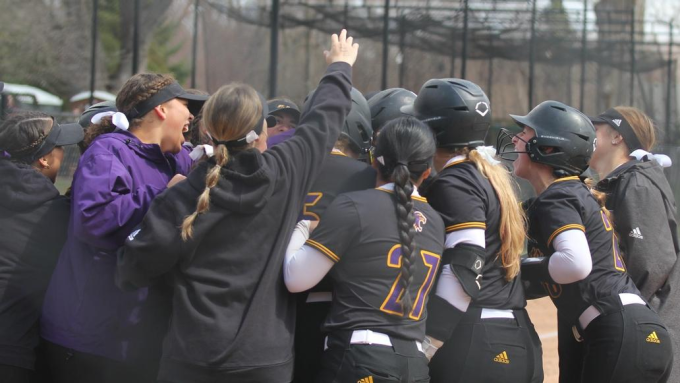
point(166, 94)
point(614, 119)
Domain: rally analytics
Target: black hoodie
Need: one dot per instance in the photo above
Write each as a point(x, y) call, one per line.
point(643, 206)
point(232, 317)
point(33, 222)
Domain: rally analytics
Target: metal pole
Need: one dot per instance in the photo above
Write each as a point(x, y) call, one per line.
point(452, 72)
point(489, 83)
point(632, 56)
point(402, 47)
point(194, 47)
point(135, 39)
point(385, 42)
point(532, 54)
point(274, 49)
point(584, 41)
point(669, 82)
point(463, 67)
point(93, 55)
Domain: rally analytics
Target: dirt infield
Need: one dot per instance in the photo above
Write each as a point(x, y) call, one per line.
point(543, 315)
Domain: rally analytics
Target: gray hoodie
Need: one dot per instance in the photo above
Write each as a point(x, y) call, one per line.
point(643, 206)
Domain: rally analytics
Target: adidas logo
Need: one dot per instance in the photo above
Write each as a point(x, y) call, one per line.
point(653, 338)
point(502, 358)
point(635, 233)
point(617, 122)
point(368, 379)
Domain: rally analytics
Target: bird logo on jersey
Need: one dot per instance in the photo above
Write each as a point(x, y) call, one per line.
point(421, 220)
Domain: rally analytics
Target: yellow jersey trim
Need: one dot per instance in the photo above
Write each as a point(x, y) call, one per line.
point(565, 228)
point(466, 225)
point(414, 197)
point(323, 249)
point(338, 153)
point(570, 178)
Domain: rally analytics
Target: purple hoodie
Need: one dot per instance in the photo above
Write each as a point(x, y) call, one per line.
point(116, 180)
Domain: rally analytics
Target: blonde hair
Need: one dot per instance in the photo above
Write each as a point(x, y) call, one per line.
point(642, 125)
point(228, 114)
point(512, 220)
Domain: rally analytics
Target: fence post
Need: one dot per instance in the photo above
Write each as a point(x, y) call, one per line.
point(669, 81)
point(135, 39)
point(274, 48)
point(632, 56)
point(532, 54)
point(463, 68)
point(93, 55)
point(584, 41)
point(386, 47)
point(194, 46)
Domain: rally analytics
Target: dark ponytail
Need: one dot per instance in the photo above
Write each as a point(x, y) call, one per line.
point(404, 151)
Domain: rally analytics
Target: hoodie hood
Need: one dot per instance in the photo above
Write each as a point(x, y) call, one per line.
point(23, 187)
point(245, 183)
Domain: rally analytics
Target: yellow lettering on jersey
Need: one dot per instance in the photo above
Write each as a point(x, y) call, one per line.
point(653, 338)
point(502, 358)
point(368, 379)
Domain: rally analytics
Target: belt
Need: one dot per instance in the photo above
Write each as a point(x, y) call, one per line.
point(373, 338)
point(496, 313)
point(314, 297)
point(592, 312)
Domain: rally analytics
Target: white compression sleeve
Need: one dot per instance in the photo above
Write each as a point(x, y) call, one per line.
point(304, 266)
point(449, 286)
point(571, 261)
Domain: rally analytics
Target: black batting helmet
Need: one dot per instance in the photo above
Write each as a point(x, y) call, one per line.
point(456, 110)
point(386, 105)
point(357, 125)
point(563, 128)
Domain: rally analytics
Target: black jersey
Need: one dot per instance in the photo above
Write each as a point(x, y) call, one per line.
point(465, 199)
point(340, 174)
point(359, 232)
point(567, 204)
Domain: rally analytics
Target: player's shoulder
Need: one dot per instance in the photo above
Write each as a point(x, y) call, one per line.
point(564, 193)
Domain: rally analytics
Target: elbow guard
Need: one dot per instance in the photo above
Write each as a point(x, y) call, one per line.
point(442, 318)
point(467, 263)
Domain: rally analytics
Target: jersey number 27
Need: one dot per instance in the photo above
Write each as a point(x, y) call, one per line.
point(392, 304)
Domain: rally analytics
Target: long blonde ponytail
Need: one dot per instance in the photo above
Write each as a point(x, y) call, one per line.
point(512, 220)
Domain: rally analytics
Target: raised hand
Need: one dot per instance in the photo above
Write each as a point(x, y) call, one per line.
point(342, 49)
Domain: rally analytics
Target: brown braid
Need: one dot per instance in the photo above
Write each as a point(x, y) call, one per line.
point(407, 232)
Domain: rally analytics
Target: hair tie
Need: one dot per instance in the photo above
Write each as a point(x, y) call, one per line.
point(200, 151)
point(117, 118)
point(5, 154)
point(488, 153)
point(402, 163)
point(661, 159)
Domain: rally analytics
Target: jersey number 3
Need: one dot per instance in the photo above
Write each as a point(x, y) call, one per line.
point(392, 304)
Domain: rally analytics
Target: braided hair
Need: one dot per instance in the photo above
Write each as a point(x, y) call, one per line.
point(404, 151)
point(228, 114)
point(22, 132)
point(138, 88)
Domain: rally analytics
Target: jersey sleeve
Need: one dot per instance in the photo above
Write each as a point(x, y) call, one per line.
point(338, 229)
point(556, 212)
point(461, 203)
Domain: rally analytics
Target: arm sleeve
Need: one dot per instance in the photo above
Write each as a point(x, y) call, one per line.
point(338, 230)
point(153, 249)
point(650, 253)
point(571, 261)
point(303, 266)
point(108, 207)
point(299, 159)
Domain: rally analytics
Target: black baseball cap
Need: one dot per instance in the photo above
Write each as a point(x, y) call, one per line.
point(279, 104)
point(613, 118)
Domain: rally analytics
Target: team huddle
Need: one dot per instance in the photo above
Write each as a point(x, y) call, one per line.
point(355, 240)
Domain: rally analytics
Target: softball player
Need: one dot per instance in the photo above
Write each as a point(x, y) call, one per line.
point(478, 308)
point(382, 248)
point(576, 258)
point(341, 173)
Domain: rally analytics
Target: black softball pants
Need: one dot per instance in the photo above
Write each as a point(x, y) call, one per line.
point(490, 350)
point(343, 362)
point(626, 344)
